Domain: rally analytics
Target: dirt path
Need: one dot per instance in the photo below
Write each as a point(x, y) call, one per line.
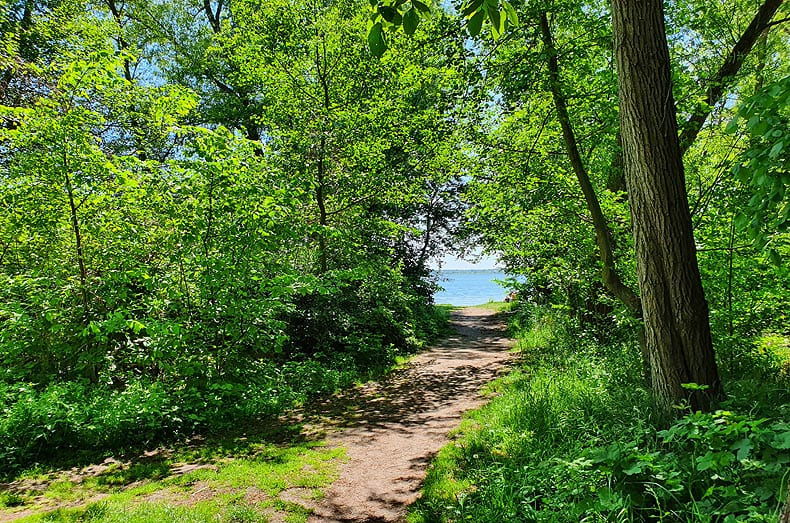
point(394, 427)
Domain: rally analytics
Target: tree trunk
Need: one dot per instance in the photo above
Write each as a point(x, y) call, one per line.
point(320, 198)
point(675, 312)
point(785, 516)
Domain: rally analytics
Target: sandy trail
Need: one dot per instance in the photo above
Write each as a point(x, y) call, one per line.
point(392, 428)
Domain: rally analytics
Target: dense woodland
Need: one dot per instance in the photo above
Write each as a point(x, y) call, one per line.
point(213, 211)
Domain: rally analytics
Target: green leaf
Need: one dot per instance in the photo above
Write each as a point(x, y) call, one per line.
point(705, 462)
point(475, 24)
point(781, 441)
point(423, 8)
point(776, 149)
point(743, 447)
point(472, 8)
point(390, 14)
point(510, 12)
point(376, 40)
point(496, 19)
point(732, 126)
point(636, 468)
point(411, 19)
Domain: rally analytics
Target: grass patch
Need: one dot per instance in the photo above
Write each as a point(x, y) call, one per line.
point(498, 306)
point(241, 485)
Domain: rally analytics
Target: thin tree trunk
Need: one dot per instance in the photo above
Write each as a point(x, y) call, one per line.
point(75, 227)
point(731, 253)
point(322, 69)
point(603, 237)
point(675, 311)
point(320, 200)
point(90, 369)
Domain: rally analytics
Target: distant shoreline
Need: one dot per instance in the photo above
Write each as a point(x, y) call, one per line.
point(467, 270)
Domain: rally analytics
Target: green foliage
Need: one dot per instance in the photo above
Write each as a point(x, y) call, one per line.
point(388, 15)
point(568, 436)
point(236, 230)
point(76, 417)
point(765, 165)
point(713, 465)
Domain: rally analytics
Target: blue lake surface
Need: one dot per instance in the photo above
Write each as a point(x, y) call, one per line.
point(470, 287)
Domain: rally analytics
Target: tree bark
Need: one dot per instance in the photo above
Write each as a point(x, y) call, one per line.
point(785, 516)
point(320, 198)
point(675, 311)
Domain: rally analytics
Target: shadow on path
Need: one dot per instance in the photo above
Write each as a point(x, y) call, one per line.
point(392, 428)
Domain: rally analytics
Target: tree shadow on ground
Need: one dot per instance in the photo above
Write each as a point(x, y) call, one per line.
point(399, 400)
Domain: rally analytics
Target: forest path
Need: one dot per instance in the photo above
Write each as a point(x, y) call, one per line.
point(392, 428)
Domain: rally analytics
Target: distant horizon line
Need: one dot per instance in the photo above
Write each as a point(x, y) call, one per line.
point(488, 269)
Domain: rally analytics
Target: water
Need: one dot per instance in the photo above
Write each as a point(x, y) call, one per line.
point(470, 287)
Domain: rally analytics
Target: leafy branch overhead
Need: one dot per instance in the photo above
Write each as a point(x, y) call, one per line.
point(387, 16)
point(765, 166)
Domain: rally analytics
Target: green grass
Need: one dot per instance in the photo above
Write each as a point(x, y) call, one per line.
point(446, 309)
point(239, 483)
point(569, 436)
point(497, 306)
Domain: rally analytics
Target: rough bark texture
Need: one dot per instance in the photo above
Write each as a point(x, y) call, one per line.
point(675, 311)
point(785, 516)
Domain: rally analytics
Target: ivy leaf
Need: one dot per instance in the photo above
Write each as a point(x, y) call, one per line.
point(636, 468)
point(743, 447)
point(781, 441)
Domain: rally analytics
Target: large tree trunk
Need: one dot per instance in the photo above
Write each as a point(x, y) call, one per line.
point(785, 516)
point(675, 311)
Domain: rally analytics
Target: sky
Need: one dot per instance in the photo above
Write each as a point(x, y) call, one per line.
point(453, 263)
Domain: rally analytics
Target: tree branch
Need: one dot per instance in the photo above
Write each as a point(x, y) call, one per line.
point(732, 64)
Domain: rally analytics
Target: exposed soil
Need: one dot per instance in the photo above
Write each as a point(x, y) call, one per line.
point(392, 428)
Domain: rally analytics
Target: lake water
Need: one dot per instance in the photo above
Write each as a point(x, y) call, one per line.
point(470, 287)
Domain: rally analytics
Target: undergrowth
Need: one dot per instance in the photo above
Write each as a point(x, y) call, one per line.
point(73, 422)
point(570, 436)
